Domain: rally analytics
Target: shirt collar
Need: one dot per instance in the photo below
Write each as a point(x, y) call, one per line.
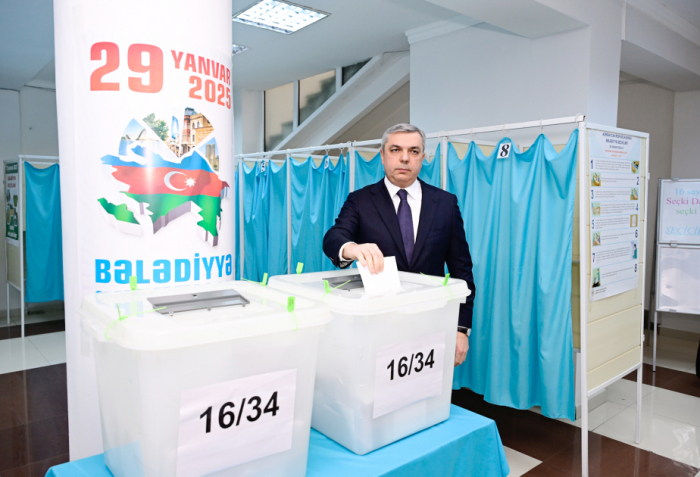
point(414, 190)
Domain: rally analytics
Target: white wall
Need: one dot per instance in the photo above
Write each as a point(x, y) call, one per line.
point(11, 148)
point(686, 136)
point(38, 121)
point(478, 76)
point(481, 75)
point(248, 117)
point(648, 108)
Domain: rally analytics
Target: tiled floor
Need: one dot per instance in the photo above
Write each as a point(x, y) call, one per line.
point(34, 433)
point(35, 351)
point(33, 421)
point(670, 444)
point(36, 324)
point(33, 316)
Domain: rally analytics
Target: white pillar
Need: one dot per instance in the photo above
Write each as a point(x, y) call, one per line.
point(118, 62)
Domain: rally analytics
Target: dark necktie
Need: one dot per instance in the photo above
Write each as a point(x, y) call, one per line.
point(406, 224)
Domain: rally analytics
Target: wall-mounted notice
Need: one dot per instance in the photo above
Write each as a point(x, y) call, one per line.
point(615, 185)
point(680, 204)
point(12, 203)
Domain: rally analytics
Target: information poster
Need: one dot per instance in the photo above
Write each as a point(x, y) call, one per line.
point(615, 185)
point(680, 204)
point(12, 203)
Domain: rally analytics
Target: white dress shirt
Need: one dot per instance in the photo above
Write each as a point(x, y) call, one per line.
point(414, 199)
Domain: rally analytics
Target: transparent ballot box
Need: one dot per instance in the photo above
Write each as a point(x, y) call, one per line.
point(384, 363)
point(205, 380)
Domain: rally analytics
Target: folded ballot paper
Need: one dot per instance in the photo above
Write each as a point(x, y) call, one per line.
point(383, 283)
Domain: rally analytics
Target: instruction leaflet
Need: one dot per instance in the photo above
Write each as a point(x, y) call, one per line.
point(615, 191)
point(12, 203)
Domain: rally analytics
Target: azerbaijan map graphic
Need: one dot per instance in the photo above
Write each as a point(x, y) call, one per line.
point(160, 185)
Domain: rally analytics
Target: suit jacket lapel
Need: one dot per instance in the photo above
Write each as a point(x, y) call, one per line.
point(428, 209)
point(387, 212)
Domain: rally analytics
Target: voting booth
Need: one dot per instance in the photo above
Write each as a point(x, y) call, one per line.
point(385, 363)
point(33, 231)
point(608, 235)
point(206, 379)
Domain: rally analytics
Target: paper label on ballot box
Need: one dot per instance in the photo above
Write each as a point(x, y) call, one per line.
point(226, 424)
point(408, 372)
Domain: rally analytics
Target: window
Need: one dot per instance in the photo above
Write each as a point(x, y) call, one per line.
point(279, 114)
point(313, 92)
point(349, 71)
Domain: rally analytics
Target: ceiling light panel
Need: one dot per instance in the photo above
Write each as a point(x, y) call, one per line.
point(282, 17)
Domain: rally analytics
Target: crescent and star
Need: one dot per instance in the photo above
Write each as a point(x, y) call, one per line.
point(189, 182)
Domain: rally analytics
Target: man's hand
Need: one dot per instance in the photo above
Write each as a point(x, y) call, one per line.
point(368, 254)
point(462, 348)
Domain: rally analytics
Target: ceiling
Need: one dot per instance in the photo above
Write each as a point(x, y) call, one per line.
point(343, 38)
point(688, 9)
point(354, 31)
point(26, 40)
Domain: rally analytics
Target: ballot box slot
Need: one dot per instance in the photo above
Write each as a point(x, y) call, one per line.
point(353, 282)
point(197, 301)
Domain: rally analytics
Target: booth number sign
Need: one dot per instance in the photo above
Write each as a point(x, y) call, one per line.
point(233, 422)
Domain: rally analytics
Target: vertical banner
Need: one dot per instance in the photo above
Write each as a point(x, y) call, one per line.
point(12, 203)
point(145, 132)
point(615, 203)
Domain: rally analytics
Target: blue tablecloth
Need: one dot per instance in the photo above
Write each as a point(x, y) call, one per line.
point(467, 444)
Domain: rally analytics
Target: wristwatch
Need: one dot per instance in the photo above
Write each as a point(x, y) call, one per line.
point(465, 330)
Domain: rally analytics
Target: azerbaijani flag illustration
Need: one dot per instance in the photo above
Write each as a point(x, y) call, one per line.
point(168, 189)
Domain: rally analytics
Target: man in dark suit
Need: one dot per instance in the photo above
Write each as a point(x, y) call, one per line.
point(404, 217)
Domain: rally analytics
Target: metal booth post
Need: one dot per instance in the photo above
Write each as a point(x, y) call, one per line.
point(289, 212)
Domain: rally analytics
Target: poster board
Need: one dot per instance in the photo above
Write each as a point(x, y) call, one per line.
point(13, 211)
point(678, 246)
point(611, 334)
point(12, 203)
point(679, 211)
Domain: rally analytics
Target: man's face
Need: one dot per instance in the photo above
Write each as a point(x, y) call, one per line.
point(402, 158)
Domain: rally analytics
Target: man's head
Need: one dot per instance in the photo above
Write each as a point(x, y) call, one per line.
point(403, 150)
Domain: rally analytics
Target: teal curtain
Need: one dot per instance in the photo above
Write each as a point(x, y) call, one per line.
point(518, 218)
point(430, 171)
point(44, 247)
point(265, 215)
point(318, 193)
point(367, 172)
point(371, 171)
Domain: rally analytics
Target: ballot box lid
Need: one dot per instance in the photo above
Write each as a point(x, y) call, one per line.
point(418, 292)
point(168, 318)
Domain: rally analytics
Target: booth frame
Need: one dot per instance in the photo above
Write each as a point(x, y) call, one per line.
point(21, 160)
point(579, 122)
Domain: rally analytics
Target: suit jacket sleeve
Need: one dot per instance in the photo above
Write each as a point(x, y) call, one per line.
point(343, 231)
point(459, 263)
